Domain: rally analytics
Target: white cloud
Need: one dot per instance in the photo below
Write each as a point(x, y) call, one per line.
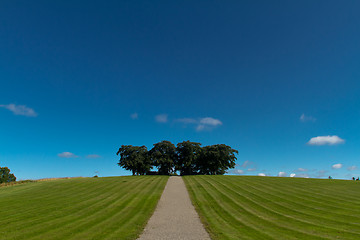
point(282, 174)
point(292, 175)
point(238, 171)
point(134, 116)
point(337, 166)
point(352, 168)
point(20, 110)
point(305, 118)
point(67, 155)
point(210, 121)
point(161, 118)
point(93, 156)
point(207, 123)
point(262, 174)
point(326, 140)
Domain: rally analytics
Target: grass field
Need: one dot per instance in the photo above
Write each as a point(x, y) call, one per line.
point(80, 208)
point(249, 207)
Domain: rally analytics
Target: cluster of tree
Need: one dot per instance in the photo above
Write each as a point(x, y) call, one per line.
point(6, 176)
point(189, 158)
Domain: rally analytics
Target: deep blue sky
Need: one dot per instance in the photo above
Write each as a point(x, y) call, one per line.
point(85, 77)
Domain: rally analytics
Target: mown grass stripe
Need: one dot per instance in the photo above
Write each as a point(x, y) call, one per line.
point(71, 223)
point(260, 217)
point(227, 215)
point(83, 207)
point(292, 214)
point(295, 202)
point(44, 220)
point(129, 220)
point(124, 209)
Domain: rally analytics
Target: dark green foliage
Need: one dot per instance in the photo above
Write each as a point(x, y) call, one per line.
point(216, 159)
point(6, 176)
point(135, 159)
point(187, 157)
point(163, 156)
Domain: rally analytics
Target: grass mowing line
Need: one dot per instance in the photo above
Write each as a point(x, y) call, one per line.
point(135, 221)
point(290, 198)
point(210, 209)
point(335, 217)
point(122, 210)
point(140, 199)
point(51, 195)
point(150, 206)
point(294, 206)
point(319, 196)
point(72, 224)
point(258, 221)
point(43, 221)
point(196, 199)
point(237, 190)
point(20, 200)
point(227, 216)
point(295, 219)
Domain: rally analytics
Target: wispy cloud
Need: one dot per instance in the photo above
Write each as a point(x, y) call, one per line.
point(67, 155)
point(20, 110)
point(134, 116)
point(282, 174)
point(161, 118)
point(305, 118)
point(93, 156)
point(250, 165)
point(201, 124)
point(301, 170)
point(326, 140)
point(337, 166)
point(321, 173)
point(238, 171)
point(352, 168)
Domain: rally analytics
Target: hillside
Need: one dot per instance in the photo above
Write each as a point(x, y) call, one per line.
point(249, 207)
point(80, 208)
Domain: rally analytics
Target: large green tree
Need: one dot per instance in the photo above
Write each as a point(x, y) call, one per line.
point(6, 176)
point(163, 156)
point(135, 159)
point(216, 159)
point(187, 156)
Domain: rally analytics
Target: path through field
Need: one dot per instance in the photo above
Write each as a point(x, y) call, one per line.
point(175, 216)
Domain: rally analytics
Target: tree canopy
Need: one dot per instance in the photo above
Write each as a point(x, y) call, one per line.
point(216, 159)
point(190, 158)
point(6, 176)
point(163, 156)
point(135, 159)
point(187, 157)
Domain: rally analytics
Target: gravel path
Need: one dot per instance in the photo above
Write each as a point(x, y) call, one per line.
point(175, 216)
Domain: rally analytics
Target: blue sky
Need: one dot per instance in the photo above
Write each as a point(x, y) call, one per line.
point(279, 81)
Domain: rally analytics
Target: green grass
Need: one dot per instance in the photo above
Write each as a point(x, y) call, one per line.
point(249, 207)
point(80, 208)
